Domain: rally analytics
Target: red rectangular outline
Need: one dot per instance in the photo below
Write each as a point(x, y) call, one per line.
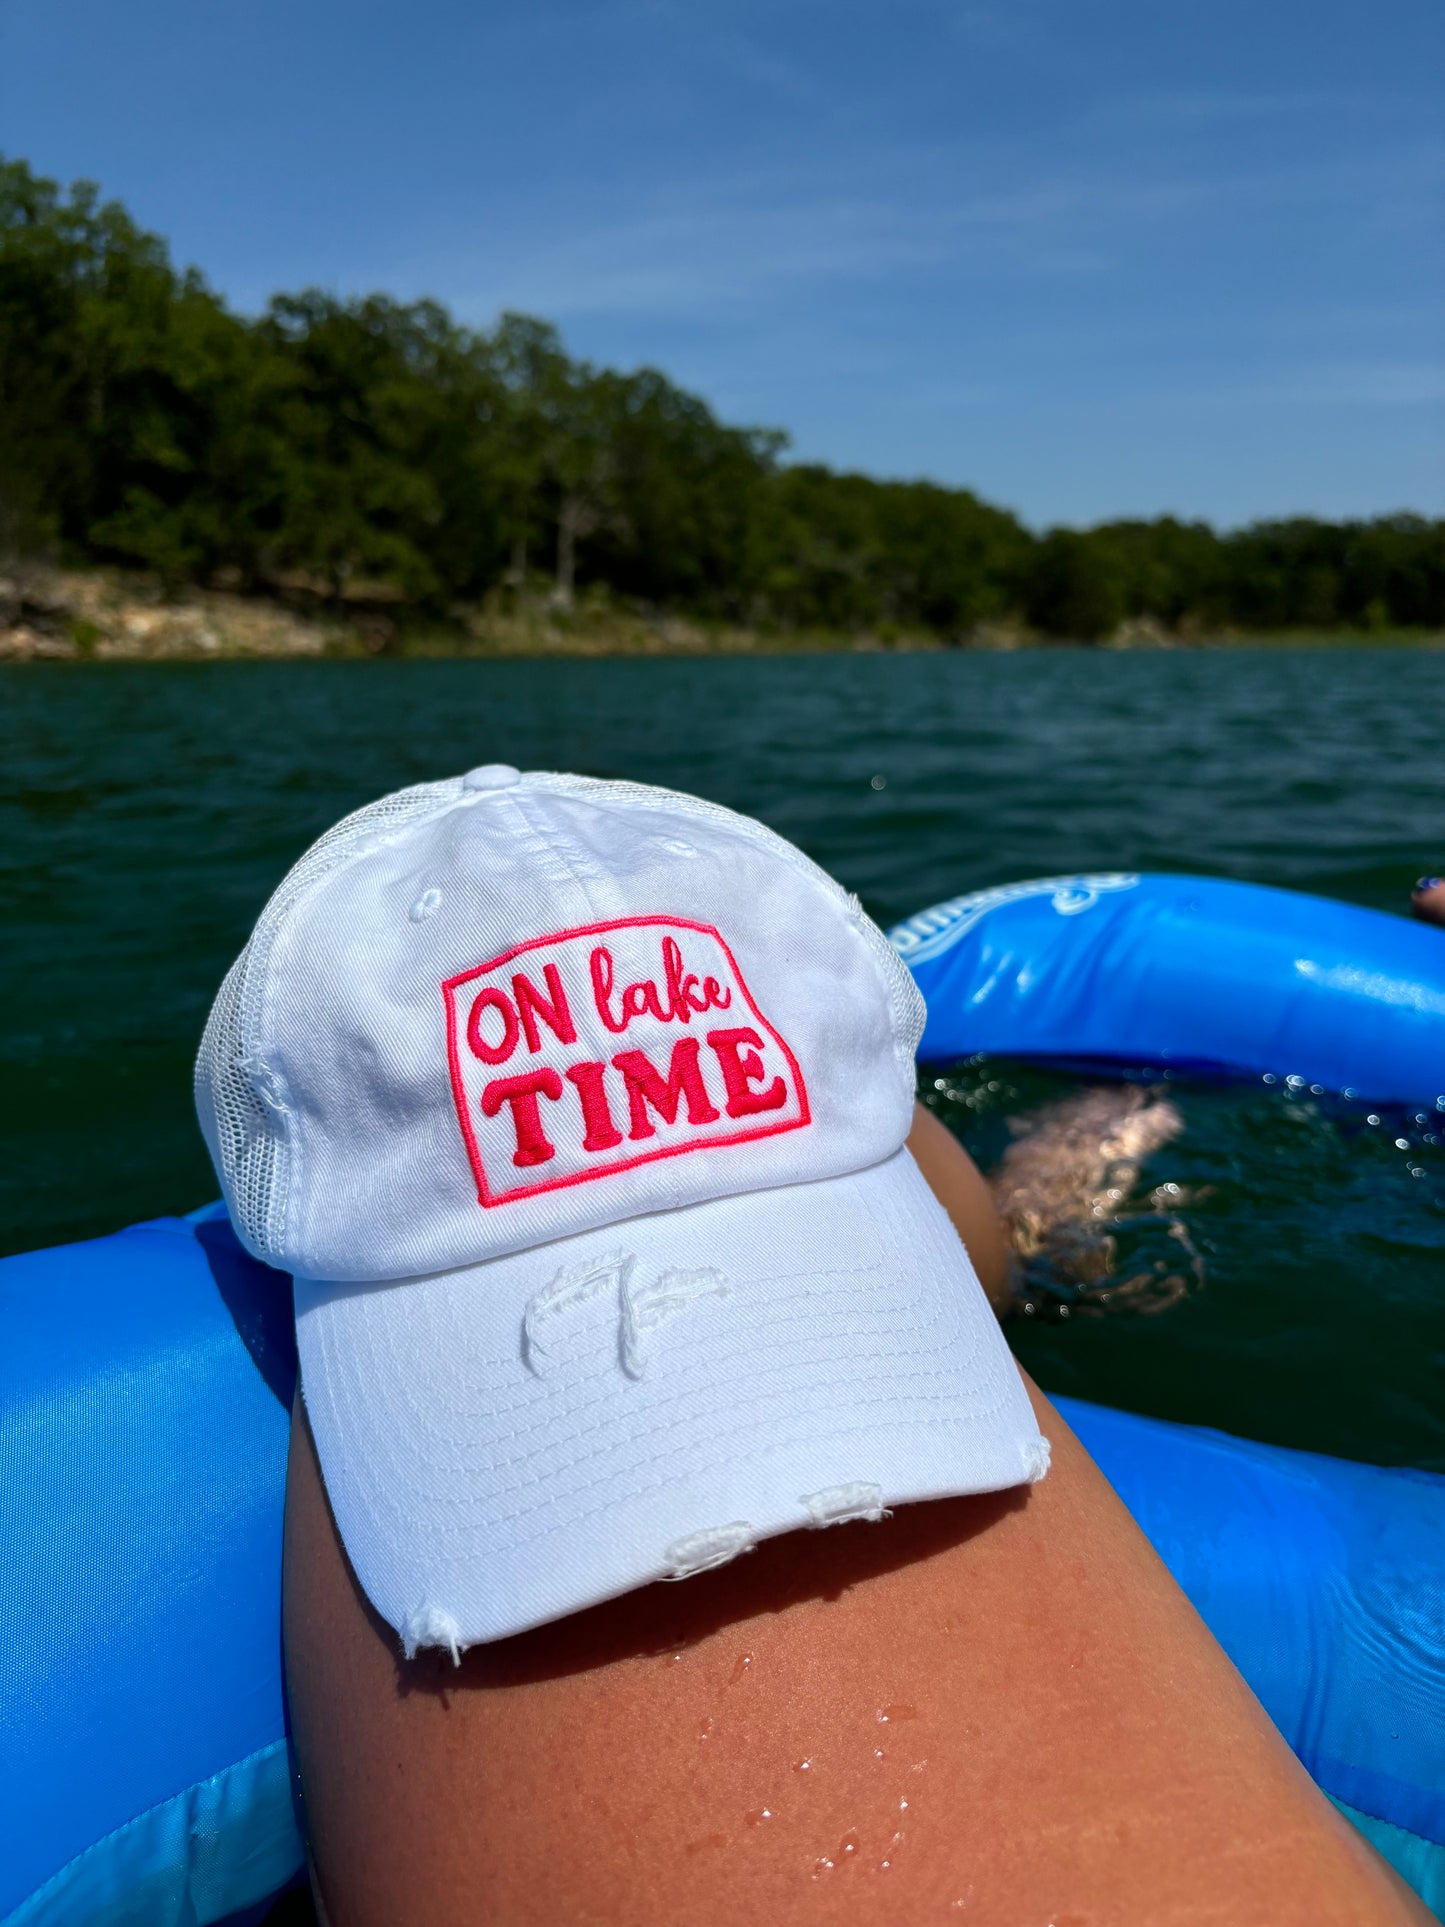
point(459, 1094)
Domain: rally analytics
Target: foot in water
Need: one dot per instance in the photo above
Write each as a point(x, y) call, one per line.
point(1427, 900)
point(1068, 1179)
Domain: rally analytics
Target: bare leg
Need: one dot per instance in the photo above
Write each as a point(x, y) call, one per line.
point(958, 1184)
point(1073, 1163)
point(1070, 1177)
point(996, 1709)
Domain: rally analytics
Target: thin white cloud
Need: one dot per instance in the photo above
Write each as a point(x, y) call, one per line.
point(1378, 384)
point(671, 263)
point(1208, 106)
point(1315, 385)
point(761, 235)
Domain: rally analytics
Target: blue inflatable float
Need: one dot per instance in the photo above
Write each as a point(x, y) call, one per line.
point(145, 1775)
point(1187, 973)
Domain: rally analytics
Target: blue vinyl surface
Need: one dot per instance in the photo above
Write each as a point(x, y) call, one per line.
point(1190, 972)
point(1325, 1584)
point(147, 1378)
point(145, 1400)
point(144, 1418)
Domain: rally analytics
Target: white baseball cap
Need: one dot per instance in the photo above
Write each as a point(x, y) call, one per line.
point(577, 1111)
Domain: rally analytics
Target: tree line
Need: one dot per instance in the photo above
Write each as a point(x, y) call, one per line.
point(348, 447)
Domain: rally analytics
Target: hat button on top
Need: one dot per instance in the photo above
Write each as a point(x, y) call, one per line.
point(491, 776)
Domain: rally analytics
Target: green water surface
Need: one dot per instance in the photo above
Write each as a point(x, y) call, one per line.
point(147, 811)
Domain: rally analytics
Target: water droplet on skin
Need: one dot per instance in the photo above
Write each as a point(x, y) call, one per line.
point(707, 1841)
point(848, 1844)
point(745, 1660)
point(887, 1714)
point(704, 1730)
point(903, 1806)
point(757, 1816)
point(803, 1766)
point(878, 1753)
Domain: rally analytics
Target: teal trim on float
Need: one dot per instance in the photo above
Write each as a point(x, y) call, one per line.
point(1420, 1863)
point(222, 1845)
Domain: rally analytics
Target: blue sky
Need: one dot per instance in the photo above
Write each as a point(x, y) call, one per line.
point(1087, 257)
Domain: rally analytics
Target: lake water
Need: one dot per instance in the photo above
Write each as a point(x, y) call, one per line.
point(149, 809)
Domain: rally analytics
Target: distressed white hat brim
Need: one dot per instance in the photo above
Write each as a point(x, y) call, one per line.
point(510, 1442)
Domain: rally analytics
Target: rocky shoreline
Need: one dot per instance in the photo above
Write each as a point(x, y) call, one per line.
point(99, 615)
point(57, 615)
point(61, 615)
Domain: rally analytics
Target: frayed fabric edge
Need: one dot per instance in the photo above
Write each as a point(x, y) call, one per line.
point(432, 1626)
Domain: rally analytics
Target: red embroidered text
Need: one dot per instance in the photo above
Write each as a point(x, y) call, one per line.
point(584, 1053)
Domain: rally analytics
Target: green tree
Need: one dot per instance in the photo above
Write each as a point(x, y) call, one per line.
point(1077, 587)
point(366, 447)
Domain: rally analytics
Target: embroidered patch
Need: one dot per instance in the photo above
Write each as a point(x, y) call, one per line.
point(587, 1052)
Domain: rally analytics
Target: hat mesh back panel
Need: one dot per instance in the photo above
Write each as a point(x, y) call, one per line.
point(240, 1095)
point(249, 1143)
